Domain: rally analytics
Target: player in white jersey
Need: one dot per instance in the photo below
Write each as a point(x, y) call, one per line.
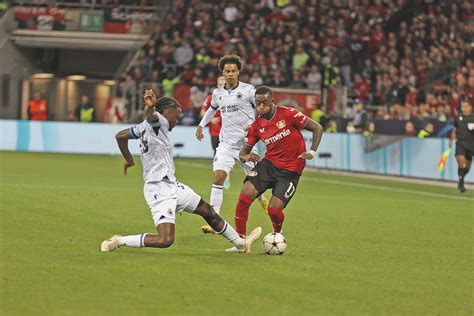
point(164, 195)
point(236, 101)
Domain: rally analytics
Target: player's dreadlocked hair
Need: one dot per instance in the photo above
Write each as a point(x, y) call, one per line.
point(263, 90)
point(164, 103)
point(230, 59)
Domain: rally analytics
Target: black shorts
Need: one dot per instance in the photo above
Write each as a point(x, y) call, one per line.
point(465, 148)
point(265, 176)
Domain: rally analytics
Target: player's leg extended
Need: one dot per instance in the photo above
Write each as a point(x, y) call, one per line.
point(163, 239)
point(246, 197)
point(276, 213)
point(247, 167)
point(283, 190)
point(217, 194)
point(462, 171)
point(225, 229)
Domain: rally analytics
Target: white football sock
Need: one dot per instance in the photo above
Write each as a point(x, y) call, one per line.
point(217, 195)
point(231, 235)
point(136, 241)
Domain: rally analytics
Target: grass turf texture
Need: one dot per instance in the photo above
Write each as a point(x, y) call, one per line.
point(355, 246)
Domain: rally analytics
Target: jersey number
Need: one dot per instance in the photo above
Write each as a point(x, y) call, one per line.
point(144, 144)
point(289, 192)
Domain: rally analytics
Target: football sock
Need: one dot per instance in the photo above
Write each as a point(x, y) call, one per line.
point(136, 241)
point(461, 173)
point(216, 197)
point(242, 214)
point(231, 235)
point(277, 216)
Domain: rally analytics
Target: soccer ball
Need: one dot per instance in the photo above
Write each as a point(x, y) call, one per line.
point(274, 244)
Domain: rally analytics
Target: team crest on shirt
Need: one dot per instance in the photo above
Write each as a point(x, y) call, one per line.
point(239, 95)
point(281, 124)
point(252, 173)
point(170, 212)
point(220, 98)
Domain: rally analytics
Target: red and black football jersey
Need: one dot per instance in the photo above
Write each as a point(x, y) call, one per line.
point(282, 135)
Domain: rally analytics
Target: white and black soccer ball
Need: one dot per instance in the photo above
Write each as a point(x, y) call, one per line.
point(274, 244)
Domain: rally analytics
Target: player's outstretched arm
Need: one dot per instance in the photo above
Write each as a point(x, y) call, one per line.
point(122, 138)
point(246, 154)
point(317, 130)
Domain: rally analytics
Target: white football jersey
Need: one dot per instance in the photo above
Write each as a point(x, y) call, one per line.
point(156, 151)
point(238, 113)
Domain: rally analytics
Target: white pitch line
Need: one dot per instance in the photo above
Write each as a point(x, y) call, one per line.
point(357, 185)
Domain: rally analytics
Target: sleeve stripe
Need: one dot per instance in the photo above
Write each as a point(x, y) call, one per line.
point(307, 121)
point(215, 108)
point(133, 133)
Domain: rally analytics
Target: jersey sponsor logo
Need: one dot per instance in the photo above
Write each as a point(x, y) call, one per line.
point(230, 108)
point(253, 173)
point(261, 130)
point(277, 137)
point(281, 124)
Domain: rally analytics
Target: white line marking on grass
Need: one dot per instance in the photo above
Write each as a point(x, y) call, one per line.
point(354, 184)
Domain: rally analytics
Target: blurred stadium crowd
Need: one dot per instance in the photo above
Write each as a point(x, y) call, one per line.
point(410, 58)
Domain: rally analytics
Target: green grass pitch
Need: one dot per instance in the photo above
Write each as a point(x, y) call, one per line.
point(355, 246)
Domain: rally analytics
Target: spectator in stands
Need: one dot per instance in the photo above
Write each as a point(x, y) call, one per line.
point(391, 61)
point(350, 127)
point(331, 127)
point(361, 118)
point(314, 79)
point(168, 85)
point(37, 108)
point(370, 131)
point(427, 131)
point(410, 129)
point(183, 54)
point(85, 111)
point(300, 58)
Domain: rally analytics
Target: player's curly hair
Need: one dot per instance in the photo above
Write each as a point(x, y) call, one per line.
point(230, 59)
point(164, 103)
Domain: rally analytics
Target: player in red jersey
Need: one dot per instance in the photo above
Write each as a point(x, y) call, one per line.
point(280, 128)
point(216, 122)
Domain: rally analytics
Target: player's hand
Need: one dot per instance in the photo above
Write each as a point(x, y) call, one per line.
point(253, 157)
point(126, 165)
point(150, 98)
point(306, 155)
point(199, 133)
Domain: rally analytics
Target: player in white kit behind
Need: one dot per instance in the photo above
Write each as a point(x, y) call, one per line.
point(236, 101)
point(163, 193)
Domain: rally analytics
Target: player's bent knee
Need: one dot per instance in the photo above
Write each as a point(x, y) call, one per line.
point(166, 242)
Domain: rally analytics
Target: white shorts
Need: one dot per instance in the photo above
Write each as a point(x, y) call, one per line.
point(225, 159)
point(166, 197)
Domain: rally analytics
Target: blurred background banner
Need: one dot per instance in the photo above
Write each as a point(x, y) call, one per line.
point(408, 157)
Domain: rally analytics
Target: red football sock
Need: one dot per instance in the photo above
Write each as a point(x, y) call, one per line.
point(242, 214)
point(277, 216)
